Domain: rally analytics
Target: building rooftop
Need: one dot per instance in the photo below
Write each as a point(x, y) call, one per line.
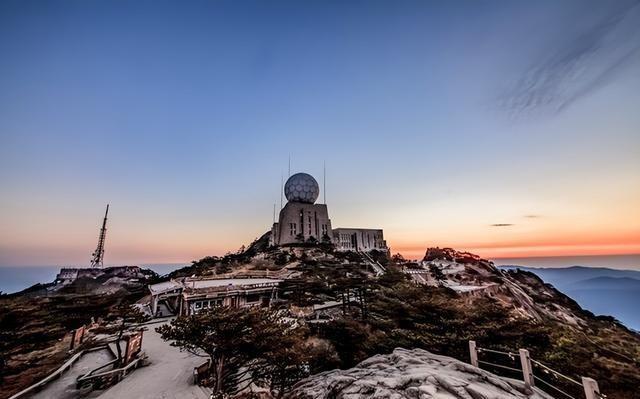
point(357, 228)
point(165, 286)
point(223, 282)
point(212, 284)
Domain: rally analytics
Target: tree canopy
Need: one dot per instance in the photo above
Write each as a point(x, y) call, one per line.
point(245, 346)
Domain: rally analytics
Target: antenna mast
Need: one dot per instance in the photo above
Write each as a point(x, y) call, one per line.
point(98, 254)
point(324, 181)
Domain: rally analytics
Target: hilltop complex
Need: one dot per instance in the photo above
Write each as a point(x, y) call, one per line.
point(350, 304)
point(302, 220)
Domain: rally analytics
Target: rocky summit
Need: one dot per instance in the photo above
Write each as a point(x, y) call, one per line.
point(412, 373)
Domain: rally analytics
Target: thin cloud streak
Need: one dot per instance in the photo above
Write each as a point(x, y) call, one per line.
point(579, 67)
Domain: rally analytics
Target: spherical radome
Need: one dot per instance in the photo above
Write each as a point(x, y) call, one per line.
point(302, 187)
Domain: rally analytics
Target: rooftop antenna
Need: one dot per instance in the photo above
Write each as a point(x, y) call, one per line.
point(274, 213)
point(289, 166)
point(324, 181)
point(98, 254)
point(281, 189)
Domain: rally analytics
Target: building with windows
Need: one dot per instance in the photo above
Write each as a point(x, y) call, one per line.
point(302, 220)
point(189, 295)
point(68, 275)
point(359, 240)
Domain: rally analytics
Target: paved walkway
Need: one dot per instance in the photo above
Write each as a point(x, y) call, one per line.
point(65, 386)
point(169, 376)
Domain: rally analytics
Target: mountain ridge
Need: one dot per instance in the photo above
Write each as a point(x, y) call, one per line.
point(437, 304)
point(606, 297)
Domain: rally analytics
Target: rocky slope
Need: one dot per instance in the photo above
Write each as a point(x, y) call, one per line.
point(412, 374)
point(449, 298)
point(552, 325)
point(524, 293)
point(35, 323)
point(437, 304)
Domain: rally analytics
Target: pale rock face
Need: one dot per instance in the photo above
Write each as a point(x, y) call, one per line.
point(415, 374)
point(302, 187)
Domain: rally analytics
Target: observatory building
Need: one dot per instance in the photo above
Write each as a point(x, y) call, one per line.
point(302, 220)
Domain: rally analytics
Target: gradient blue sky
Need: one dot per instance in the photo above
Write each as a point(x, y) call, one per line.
point(506, 128)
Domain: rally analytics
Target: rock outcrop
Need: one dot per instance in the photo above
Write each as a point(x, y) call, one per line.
point(412, 374)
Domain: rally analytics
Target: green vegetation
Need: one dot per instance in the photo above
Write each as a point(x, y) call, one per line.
point(403, 314)
point(372, 315)
point(378, 315)
point(34, 329)
point(245, 346)
point(126, 316)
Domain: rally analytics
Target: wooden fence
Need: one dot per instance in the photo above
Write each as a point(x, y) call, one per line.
point(588, 385)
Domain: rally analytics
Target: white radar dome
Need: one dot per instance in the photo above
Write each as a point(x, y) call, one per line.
point(301, 187)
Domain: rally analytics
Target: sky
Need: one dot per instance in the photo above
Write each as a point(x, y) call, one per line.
point(510, 129)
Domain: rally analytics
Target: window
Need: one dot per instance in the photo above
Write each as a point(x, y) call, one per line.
point(293, 229)
point(253, 298)
point(198, 305)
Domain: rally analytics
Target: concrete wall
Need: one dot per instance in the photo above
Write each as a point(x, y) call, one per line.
point(299, 221)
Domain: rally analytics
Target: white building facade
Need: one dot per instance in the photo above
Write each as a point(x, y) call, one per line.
point(302, 220)
point(348, 239)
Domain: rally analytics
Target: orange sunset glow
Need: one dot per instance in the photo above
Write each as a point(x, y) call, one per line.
point(191, 145)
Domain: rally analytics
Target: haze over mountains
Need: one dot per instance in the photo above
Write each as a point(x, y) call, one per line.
point(600, 290)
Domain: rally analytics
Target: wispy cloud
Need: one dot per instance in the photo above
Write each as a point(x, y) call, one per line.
point(532, 216)
point(502, 225)
point(579, 66)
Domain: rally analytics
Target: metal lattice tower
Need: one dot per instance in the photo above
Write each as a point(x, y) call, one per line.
point(98, 255)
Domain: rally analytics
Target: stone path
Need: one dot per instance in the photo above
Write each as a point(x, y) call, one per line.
point(169, 376)
point(65, 386)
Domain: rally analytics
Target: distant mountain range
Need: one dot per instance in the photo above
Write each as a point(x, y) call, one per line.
point(600, 290)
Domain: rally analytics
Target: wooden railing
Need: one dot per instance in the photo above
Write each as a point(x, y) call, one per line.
point(588, 385)
point(67, 365)
point(104, 378)
point(201, 371)
point(375, 265)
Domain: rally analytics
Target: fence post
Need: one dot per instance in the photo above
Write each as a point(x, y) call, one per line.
point(473, 353)
point(527, 371)
point(590, 388)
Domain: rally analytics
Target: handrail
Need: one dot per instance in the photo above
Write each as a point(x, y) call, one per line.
point(100, 367)
point(554, 387)
point(377, 267)
point(555, 373)
point(56, 373)
point(501, 366)
point(90, 376)
point(589, 385)
point(510, 354)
